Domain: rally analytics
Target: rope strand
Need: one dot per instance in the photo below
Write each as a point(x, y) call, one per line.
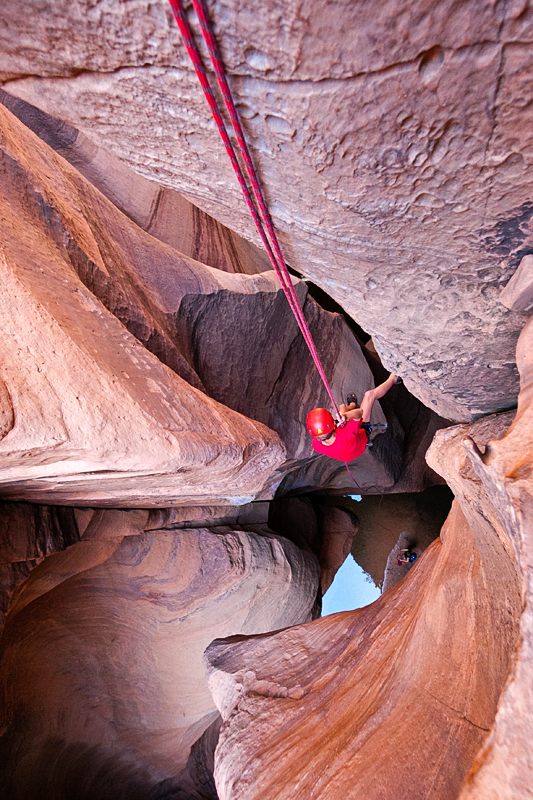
point(263, 219)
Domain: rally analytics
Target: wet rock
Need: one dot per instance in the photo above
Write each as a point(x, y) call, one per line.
point(413, 220)
point(101, 677)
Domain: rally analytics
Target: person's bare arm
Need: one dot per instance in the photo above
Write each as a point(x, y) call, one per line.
point(350, 412)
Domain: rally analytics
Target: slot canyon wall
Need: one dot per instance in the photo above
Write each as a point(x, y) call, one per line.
point(166, 530)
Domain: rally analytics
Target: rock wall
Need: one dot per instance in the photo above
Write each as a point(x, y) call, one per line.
point(387, 701)
point(163, 213)
point(497, 470)
point(29, 533)
point(110, 305)
point(405, 133)
point(153, 379)
point(101, 679)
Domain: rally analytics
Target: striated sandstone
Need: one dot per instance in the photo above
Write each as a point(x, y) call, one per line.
point(101, 678)
point(97, 415)
point(108, 298)
point(358, 704)
point(29, 533)
point(163, 213)
point(491, 466)
point(405, 131)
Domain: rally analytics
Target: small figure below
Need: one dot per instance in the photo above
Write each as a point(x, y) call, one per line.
point(406, 557)
point(350, 438)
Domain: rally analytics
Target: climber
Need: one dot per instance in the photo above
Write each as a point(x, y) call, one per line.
point(406, 557)
point(349, 439)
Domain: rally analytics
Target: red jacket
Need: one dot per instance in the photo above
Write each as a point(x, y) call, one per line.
point(350, 442)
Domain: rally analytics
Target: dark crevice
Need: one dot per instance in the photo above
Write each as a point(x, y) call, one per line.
point(329, 304)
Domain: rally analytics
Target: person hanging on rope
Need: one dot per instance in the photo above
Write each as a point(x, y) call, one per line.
point(349, 439)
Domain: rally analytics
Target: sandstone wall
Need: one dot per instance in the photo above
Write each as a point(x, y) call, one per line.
point(101, 678)
point(123, 339)
point(392, 700)
point(404, 130)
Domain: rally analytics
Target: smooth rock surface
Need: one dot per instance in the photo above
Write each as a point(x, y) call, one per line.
point(497, 464)
point(405, 130)
point(392, 700)
point(98, 417)
point(29, 533)
point(161, 212)
point(518, 294)
point(325, 529)
point(382, 520)
point(101, 680)
point(108, 298)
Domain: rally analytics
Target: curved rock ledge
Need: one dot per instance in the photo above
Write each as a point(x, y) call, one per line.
point(357, 704)
point(101, 679)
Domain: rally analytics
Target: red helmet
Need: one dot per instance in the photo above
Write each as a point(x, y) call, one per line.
point(320, 422)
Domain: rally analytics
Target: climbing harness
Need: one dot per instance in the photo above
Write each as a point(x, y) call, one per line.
point(256, 204)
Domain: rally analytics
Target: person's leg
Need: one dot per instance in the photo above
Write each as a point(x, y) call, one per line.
point(374, 394)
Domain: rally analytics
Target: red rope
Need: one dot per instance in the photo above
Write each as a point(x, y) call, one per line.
point(263, 219)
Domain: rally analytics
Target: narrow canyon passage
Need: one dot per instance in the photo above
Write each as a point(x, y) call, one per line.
point(168, 534)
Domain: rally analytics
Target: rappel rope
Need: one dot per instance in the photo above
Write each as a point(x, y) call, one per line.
point(262, 218)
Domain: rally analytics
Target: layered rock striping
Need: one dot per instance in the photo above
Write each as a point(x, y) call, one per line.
point(101, 676)
point(127, 338)
point(150, 363)
point(359, 703)
point(405, 133)
point(493, 473)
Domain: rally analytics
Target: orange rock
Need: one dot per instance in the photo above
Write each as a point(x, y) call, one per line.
point(392, 699)
point(393, 183)
point(503, 769)
point(101, 679)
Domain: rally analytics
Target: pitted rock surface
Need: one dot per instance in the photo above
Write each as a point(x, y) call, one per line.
point(405, 132)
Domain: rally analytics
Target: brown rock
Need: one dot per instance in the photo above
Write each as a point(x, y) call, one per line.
point(397, 568)
point(85, 384)
point(405, 133)
point(163, 213)
point(391, 700)
point(101, 677)
point(518, 294)
point(497, 463)
point(382, 520)
point(325, 530)
point(28, 533)
point(338, 527)
point(7, 417)
point(230, 335)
